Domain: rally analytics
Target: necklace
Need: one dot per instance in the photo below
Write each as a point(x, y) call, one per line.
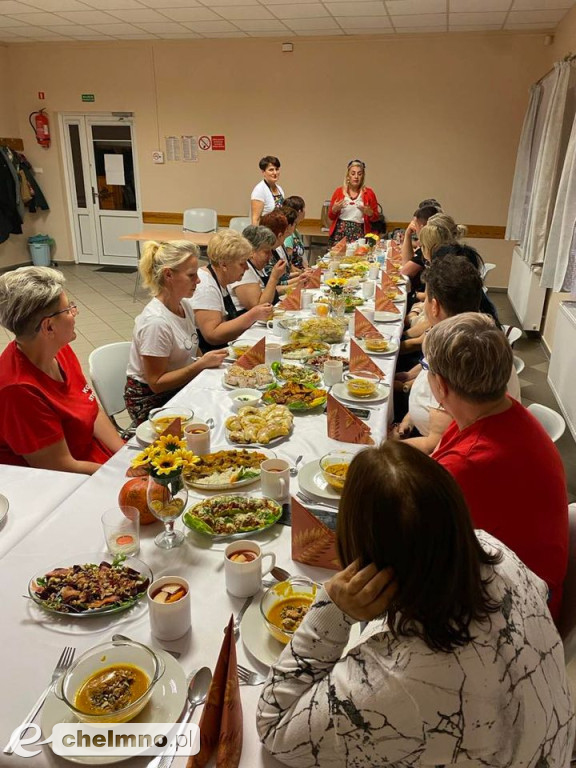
point(353, 197)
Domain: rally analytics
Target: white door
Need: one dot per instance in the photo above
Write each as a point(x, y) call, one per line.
point(104, 200)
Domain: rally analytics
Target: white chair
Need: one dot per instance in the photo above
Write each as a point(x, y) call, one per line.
point(567, 620)
point(488, 267)
point(512, 333)
point(200, 220)
point(519, 364)
point(107, 367)
point(552, 421)
point(239, 223)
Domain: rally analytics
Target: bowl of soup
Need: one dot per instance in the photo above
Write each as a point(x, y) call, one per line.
point(161, 418)
point(110, 683)
point(238, 349)
point(284, 606)
point(334, 466)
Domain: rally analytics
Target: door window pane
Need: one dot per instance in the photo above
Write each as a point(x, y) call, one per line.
point(76, 153)
point(115, 141)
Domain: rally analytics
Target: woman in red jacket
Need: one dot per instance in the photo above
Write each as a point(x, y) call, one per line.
point(353, 206)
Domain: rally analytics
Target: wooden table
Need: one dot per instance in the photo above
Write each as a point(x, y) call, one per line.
point(168, 236)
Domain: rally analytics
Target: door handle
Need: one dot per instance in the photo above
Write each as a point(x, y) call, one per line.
point(100, 195)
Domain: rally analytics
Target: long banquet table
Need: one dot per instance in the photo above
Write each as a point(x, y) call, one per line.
point(33, 640)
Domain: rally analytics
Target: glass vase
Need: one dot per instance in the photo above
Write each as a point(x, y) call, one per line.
point(337, 305)
point(167, 498)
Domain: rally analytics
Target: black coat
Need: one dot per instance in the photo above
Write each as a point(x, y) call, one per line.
point(10, 221)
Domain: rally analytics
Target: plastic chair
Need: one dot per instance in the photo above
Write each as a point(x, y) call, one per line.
point(552, 421)
point(488, 267)
point(567, 620)
point(239, 223)
point(107, 368)
point(519, 364)
point(512, 333)
point(200, 220)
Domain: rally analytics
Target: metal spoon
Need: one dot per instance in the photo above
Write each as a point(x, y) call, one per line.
point(294, 469)
point(279, 574)
point(123, 639)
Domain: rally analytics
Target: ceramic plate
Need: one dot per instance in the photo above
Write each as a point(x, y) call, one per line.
point(274, 441)
point(261, 388)
point(392, 347)
point(3, 508)
point(165, 706)
point(145, 434)
point(312, 483)
point(230, 486)
point(387, 317)
point(341, 391)
point(272, 513)
point(260, 643)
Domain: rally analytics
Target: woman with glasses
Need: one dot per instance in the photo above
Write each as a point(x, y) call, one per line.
point(353, 206)
point(49, 415)
point(164, 355)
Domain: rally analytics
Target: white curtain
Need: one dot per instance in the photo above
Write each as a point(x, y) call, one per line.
point(559, 245)
point(521, 187)
point(547, 167)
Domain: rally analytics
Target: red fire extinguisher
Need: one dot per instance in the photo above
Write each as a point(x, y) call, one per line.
point(41, 127)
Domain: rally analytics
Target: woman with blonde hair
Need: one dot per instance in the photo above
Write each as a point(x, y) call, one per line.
point(353, 206)
point(440, 229)
point(217, 319)
point(164, 353)
point(49, 415)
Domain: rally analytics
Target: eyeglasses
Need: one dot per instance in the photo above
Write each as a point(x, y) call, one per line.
point(71, 308)
point(424, 364)
point(356, 162)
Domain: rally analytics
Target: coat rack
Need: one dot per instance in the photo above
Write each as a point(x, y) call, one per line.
point(17, 145)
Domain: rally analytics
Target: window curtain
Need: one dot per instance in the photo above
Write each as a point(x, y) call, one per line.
point(546, 174)
point(521, 188)
point(559, 246)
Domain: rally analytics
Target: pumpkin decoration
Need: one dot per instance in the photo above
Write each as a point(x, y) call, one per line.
point(133, 494)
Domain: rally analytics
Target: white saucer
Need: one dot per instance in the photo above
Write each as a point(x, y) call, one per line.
point(341, 392)
point(387, 317)
point(145, 434)
point(165, 706)
point(392, 347)
point(260, 643)
point(312, 483)
point(4, 506)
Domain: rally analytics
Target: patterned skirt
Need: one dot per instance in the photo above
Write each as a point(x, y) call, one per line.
point(140, 399)
point(351, 230)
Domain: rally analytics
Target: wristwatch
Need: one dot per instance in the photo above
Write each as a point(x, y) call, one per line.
point(406, 387)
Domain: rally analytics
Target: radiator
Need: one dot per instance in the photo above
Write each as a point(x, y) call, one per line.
point(563, 363)
point(525, 293)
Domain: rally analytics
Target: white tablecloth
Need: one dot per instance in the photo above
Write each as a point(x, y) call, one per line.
point(32, 641)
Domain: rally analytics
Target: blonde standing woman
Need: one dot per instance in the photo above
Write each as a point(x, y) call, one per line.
point(164, 355)
point(353, 206)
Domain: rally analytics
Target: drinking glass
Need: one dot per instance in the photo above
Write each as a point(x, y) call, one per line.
point(167, 499)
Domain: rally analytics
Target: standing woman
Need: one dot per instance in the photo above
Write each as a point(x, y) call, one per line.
point(353, 206)
point(267, 194)
point(217, 319)
point(164, 352)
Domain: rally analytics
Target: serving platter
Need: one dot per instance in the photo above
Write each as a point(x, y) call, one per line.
point(240, 483)
point(269, 509)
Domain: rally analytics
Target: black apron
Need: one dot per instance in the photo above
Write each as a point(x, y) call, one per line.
point(264, 278)
point(230, 313)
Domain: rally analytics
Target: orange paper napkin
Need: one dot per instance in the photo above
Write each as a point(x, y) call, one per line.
point(387, 283)
point(344, 426)
point(359, 361)
point(221, 721)
point(392, 266)
point(314, 279)
point(383, 304)
point(292, 301)
point(340, 246)
point(256, 355)
point(363, 328)
point(313, 543)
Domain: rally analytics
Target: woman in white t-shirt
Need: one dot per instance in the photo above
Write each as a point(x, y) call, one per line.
point(256, 286)
point(217, 319)
point(267, 194)
point(164, 352)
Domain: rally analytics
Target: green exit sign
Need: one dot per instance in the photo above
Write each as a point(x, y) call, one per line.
point(88, 97)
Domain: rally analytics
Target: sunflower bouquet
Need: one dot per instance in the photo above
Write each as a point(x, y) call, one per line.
point(165, 459)
point(371, 239)
point(336, 285)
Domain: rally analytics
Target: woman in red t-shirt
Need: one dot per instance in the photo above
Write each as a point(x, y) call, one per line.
point(49, 415)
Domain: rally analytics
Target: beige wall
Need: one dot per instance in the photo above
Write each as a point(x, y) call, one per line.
point(564, 43)
point(433, 115)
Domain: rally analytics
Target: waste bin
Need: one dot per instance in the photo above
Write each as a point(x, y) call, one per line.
point(39, 247)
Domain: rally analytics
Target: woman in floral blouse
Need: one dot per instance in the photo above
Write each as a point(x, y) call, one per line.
point(460, 663)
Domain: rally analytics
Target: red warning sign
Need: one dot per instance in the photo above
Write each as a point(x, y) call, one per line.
point(218, 142)
point(204, 142)
point(41, 95)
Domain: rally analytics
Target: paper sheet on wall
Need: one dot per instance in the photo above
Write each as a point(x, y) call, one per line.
point(173, 150)
point(190, 149)
point(114, 169)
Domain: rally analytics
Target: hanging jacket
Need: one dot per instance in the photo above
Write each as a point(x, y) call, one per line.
point(10, 219)
point(38, 200)
point(12, 162)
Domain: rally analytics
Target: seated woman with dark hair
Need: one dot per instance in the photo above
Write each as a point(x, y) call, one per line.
point(460, 663)
point(49, 415)
point(282, 223)
point(470, 253)
point(294, 244)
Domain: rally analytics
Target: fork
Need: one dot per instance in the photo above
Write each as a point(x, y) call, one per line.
point(64, 662)
point(313, 503)
point(248, 677)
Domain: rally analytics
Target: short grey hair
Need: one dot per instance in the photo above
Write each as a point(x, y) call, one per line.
point(259, 237)
point(472, 355)
point(27, 294)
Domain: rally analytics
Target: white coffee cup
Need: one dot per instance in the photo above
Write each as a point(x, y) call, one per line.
point(169, 621)
point(307, 297)
point(373, 271)
point(275, 478)
point(333, 370)
point(244, 579)
point(367, 289)
point(278, 328)
point(361, 241)
point(197, 435)
point(273, 353)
